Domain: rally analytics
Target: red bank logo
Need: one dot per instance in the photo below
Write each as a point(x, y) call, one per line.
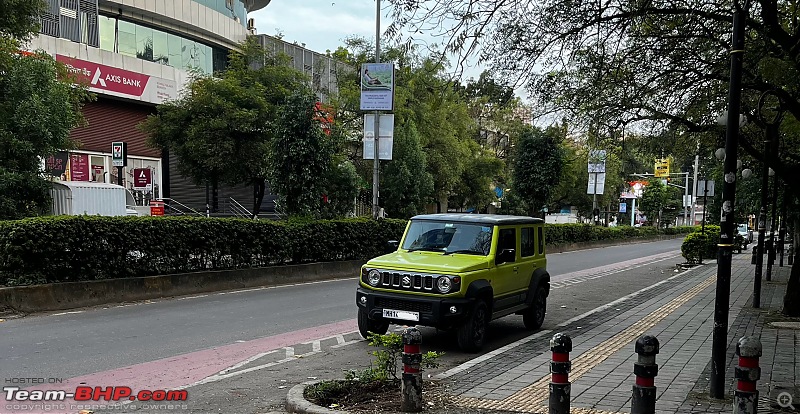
point(107, 78)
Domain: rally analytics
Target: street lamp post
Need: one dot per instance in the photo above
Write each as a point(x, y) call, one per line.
point(725, 252)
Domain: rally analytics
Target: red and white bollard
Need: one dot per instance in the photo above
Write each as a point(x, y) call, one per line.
point(560, 366)
point(411, 387)
point(646, 370)
point(745, 398)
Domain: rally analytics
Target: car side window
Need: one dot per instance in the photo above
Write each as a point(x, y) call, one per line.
point(541, 239)
point(526, 240)
point(508, 240)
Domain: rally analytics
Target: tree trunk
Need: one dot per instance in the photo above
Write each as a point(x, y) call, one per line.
point(443, 204)
point(258, 196)
point(791, 301)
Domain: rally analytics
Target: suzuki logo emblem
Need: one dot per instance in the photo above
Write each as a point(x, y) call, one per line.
point(406, 281)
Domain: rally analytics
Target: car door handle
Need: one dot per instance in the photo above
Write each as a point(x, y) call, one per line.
point(516, 268)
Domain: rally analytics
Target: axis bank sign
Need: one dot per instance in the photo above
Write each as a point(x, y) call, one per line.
point(120, 82)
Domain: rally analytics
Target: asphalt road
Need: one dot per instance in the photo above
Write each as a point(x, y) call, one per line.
point(67, 345)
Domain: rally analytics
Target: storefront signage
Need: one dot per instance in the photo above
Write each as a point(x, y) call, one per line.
point(119, 154)
point(56, 164)
point(120, 82)
point(142, 179)
point(79, 167)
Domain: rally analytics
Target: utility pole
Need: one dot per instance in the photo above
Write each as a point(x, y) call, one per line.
point(719, 344)
point(694, 182)
point(376, 163)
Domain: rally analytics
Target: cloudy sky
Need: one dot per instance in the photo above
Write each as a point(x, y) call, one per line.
point(320, 24)
point(324, 24)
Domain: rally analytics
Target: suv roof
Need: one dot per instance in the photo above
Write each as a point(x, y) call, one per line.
point(494, 219)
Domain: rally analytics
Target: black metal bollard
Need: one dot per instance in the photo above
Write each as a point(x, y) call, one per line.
point(411, 387)
point(645, 369)
point(745, 398)
point(560, 366)
point(753, 257)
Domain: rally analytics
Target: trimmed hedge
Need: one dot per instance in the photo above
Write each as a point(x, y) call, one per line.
point(74, 248)
point(77, 248)
point(561, 234)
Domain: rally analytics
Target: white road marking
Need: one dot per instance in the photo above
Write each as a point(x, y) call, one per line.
point(67, 313)
point(192, 297)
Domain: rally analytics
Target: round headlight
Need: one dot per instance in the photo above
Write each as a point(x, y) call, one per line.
point(444, 284)
point(374, 277)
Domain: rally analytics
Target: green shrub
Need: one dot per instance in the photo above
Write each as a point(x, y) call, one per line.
point(76, 248)
point(698, 245)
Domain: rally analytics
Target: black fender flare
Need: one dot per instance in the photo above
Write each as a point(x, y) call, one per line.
point(540, 278)
point(481, 288)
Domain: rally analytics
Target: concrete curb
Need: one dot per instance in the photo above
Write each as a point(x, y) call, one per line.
point(71, 295)
point(296, 402)
point(609, 243)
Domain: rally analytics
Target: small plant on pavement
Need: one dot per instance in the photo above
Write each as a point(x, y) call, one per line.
point(371, 384)
point(384, 367)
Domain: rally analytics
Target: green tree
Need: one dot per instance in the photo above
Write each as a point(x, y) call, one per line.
point(481, 170)
point(300, 154)
point(537, 166)
point(406, 183)
point(223, 129)
point(424, 95)
point(660, 203)
point(40, 103)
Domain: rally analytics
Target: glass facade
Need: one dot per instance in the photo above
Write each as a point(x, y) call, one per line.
point(227, 7)
point(154, 45)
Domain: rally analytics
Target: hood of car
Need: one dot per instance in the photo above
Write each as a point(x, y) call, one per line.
point(433, 262)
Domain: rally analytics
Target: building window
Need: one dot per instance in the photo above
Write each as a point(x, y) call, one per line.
point(154, 45)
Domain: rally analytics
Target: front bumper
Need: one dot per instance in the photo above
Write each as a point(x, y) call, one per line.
point(432, 311)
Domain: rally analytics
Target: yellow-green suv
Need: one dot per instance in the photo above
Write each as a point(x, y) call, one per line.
point(458, 271)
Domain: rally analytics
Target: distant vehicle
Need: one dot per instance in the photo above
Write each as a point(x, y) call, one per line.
point(744, 232)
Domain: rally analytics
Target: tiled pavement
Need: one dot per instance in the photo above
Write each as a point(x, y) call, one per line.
point(679, 312)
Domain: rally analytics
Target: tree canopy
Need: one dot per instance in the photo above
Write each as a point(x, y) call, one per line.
point(40, 103)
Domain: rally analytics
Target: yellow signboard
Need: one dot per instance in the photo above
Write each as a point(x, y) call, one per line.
point(662, 168)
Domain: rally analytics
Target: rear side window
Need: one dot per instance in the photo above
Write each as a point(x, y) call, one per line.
point(541, 239)
point(526, 239)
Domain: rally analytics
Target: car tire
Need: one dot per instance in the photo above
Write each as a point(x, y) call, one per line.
point(472, 333)
point(366, 325)
point(533, 317)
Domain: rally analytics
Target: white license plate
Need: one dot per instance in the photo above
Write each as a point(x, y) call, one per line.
point(398, 314)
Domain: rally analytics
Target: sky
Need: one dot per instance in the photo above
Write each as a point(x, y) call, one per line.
point(324, 24)
point(320, 24)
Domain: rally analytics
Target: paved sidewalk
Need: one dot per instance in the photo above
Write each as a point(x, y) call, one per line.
point(679, 312)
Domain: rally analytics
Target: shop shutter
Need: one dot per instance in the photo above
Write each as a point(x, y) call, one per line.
point(111, 120)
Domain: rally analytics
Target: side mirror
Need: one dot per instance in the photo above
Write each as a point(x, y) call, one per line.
point(392, 245)
point(506, 256)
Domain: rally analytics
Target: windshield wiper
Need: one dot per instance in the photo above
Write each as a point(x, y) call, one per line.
point(426, 249)
point(465, 251)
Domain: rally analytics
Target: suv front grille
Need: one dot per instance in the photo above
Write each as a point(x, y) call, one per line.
point(403, 305)
point(406, 281)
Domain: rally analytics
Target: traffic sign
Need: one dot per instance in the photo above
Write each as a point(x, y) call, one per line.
point(661, 168)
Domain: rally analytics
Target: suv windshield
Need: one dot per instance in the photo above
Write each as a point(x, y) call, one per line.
point(447, 237)
point(743, 228)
